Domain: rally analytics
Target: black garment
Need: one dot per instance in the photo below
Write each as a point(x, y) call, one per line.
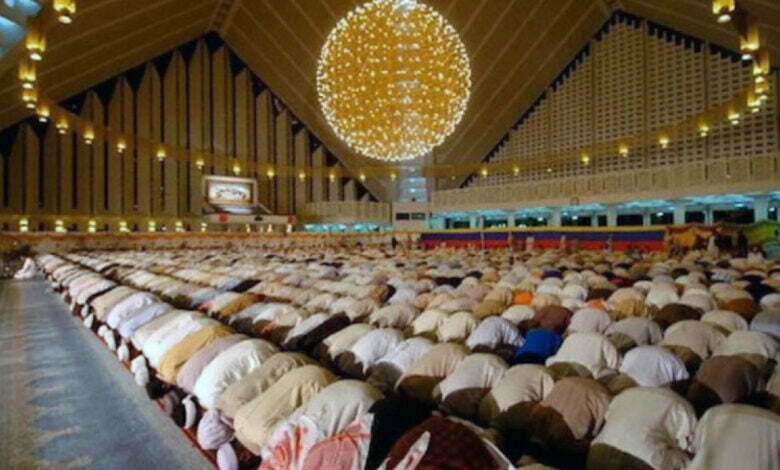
point(742, 244)
point(393, 417)
point(312, 339)
point(245, 285)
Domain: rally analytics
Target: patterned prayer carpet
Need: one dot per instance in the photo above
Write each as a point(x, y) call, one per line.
point(65, 401)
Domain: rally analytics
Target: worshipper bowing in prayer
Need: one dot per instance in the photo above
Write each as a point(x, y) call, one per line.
point(737, 436)
point(461, 392)
point(566, 421)
point(646, 428)
point(724, 379)
point(538, 346)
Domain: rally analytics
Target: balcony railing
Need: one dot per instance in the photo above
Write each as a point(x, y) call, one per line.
point(736, 175)
point(347, 212)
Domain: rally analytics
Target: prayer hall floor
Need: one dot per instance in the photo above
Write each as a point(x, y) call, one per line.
point(64, 403)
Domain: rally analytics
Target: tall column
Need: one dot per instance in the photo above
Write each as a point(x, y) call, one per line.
point(594, 219)
point(510, 220)
point(555, 217)
point(679, 213)
point(474, 221)
point(319, 182)
point(612, 215)
point(709, 217)
point(645, 218)
point(760, 208)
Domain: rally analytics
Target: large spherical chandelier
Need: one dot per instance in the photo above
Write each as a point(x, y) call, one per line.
point(393, 79)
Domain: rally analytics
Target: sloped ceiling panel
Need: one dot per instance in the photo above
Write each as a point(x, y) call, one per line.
point(517, 48)
point(107, 37)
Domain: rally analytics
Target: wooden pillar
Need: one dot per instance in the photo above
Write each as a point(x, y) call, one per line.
point(302, 160)
point(264, 143)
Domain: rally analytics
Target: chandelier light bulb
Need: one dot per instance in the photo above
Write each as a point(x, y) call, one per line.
point(393, 79)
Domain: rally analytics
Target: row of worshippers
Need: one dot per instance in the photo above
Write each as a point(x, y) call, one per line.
point(619, 332)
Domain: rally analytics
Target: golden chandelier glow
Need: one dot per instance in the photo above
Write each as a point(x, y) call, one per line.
point(393, 79)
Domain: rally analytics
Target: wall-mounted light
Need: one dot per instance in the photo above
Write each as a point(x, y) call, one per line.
point(30, 97)
point(623, 150)
point(723, 9)
point(65, 10)
point(62, 126)
point(161, 155)
point(734, 118)
point(35, 42)
point(27, 74)
point(88, 136)
point(199, 164)
point(663, 141)
point(270, 173)
point(59, 226)
point(121, 145)
point(750, 40)
point(704, 130)
point(43, 113)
